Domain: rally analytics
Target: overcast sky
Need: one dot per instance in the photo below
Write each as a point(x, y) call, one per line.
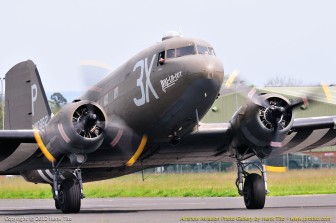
point(263, 39)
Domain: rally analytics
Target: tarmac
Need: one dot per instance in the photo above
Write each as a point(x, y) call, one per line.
point(306, 208)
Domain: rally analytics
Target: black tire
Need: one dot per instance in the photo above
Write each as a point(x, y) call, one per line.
point(254, 192)
point(70, 196)
point(57, 204)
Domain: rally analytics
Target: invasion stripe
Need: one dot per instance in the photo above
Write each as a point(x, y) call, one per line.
point(328, 137)
point(288, 138)
point(49, 174)
point(299, 138)
point(316, 135)
point(329, 143)
point(43, 176)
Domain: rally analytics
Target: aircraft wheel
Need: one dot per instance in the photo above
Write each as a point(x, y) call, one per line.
point(70, 196)
point(57, 205)
point(254, 192)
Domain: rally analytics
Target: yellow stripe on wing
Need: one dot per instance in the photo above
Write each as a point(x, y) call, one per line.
point(136, 155)
point(276, 169)
point(42, 147)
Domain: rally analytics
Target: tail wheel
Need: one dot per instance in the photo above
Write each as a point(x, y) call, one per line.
point(70, 196)
point(254, 192)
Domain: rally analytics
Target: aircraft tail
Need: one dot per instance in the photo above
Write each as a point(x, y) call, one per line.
point(26, 103)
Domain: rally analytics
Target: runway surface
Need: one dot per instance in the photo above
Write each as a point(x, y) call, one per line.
point(315, 208)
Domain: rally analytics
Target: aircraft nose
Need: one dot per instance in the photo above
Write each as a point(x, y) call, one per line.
point(214, 69)
point(205, 68)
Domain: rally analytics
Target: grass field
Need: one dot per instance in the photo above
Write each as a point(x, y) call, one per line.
point(182, 185)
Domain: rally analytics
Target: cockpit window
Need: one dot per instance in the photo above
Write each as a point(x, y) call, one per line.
point(205, 50)
point(171, 53)
point(202, 49)
point(161, 58)
point(212, 51)
point(183, 51)
point(190, 50)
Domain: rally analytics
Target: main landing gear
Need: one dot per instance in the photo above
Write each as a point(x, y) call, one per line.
point(67, 192)
point(251, 185)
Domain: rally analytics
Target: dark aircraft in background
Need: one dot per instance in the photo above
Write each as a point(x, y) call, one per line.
point(146, 114)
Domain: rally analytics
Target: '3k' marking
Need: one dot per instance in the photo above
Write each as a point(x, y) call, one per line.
point(143, 65)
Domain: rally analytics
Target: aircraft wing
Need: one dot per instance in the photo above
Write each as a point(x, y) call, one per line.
point(18, 136)
point(213, 142)
point(311, 133)
point(16, 146)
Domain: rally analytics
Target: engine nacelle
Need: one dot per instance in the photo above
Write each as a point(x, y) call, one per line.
point(254, 124)
point(76, 129)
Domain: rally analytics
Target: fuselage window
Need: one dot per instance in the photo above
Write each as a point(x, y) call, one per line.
point(183, 51)
point(203, 50)
point(106, 100)
point(171, 53)
point(115, 92)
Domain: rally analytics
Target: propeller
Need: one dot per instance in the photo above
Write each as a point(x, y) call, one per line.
point(275, 113)
point(93, 71)
point(88, 121)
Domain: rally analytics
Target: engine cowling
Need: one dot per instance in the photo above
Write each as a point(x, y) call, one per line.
point(258, 127)
point(76, 129)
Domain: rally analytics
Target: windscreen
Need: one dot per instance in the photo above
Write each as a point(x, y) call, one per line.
point(183, 51)
point(205, 50)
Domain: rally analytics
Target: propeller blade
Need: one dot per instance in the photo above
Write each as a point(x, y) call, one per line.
point(276, 142)
point(327, 92)
point(253, 96)
point(43, 147)
point(120, 137)
point(93, 71)
point(232, 78)
point(298, 102)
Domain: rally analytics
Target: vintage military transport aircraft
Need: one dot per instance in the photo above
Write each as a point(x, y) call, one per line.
point(146, 114)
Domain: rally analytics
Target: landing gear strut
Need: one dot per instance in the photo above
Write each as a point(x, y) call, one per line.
point(254, 187)
point(67, 192)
